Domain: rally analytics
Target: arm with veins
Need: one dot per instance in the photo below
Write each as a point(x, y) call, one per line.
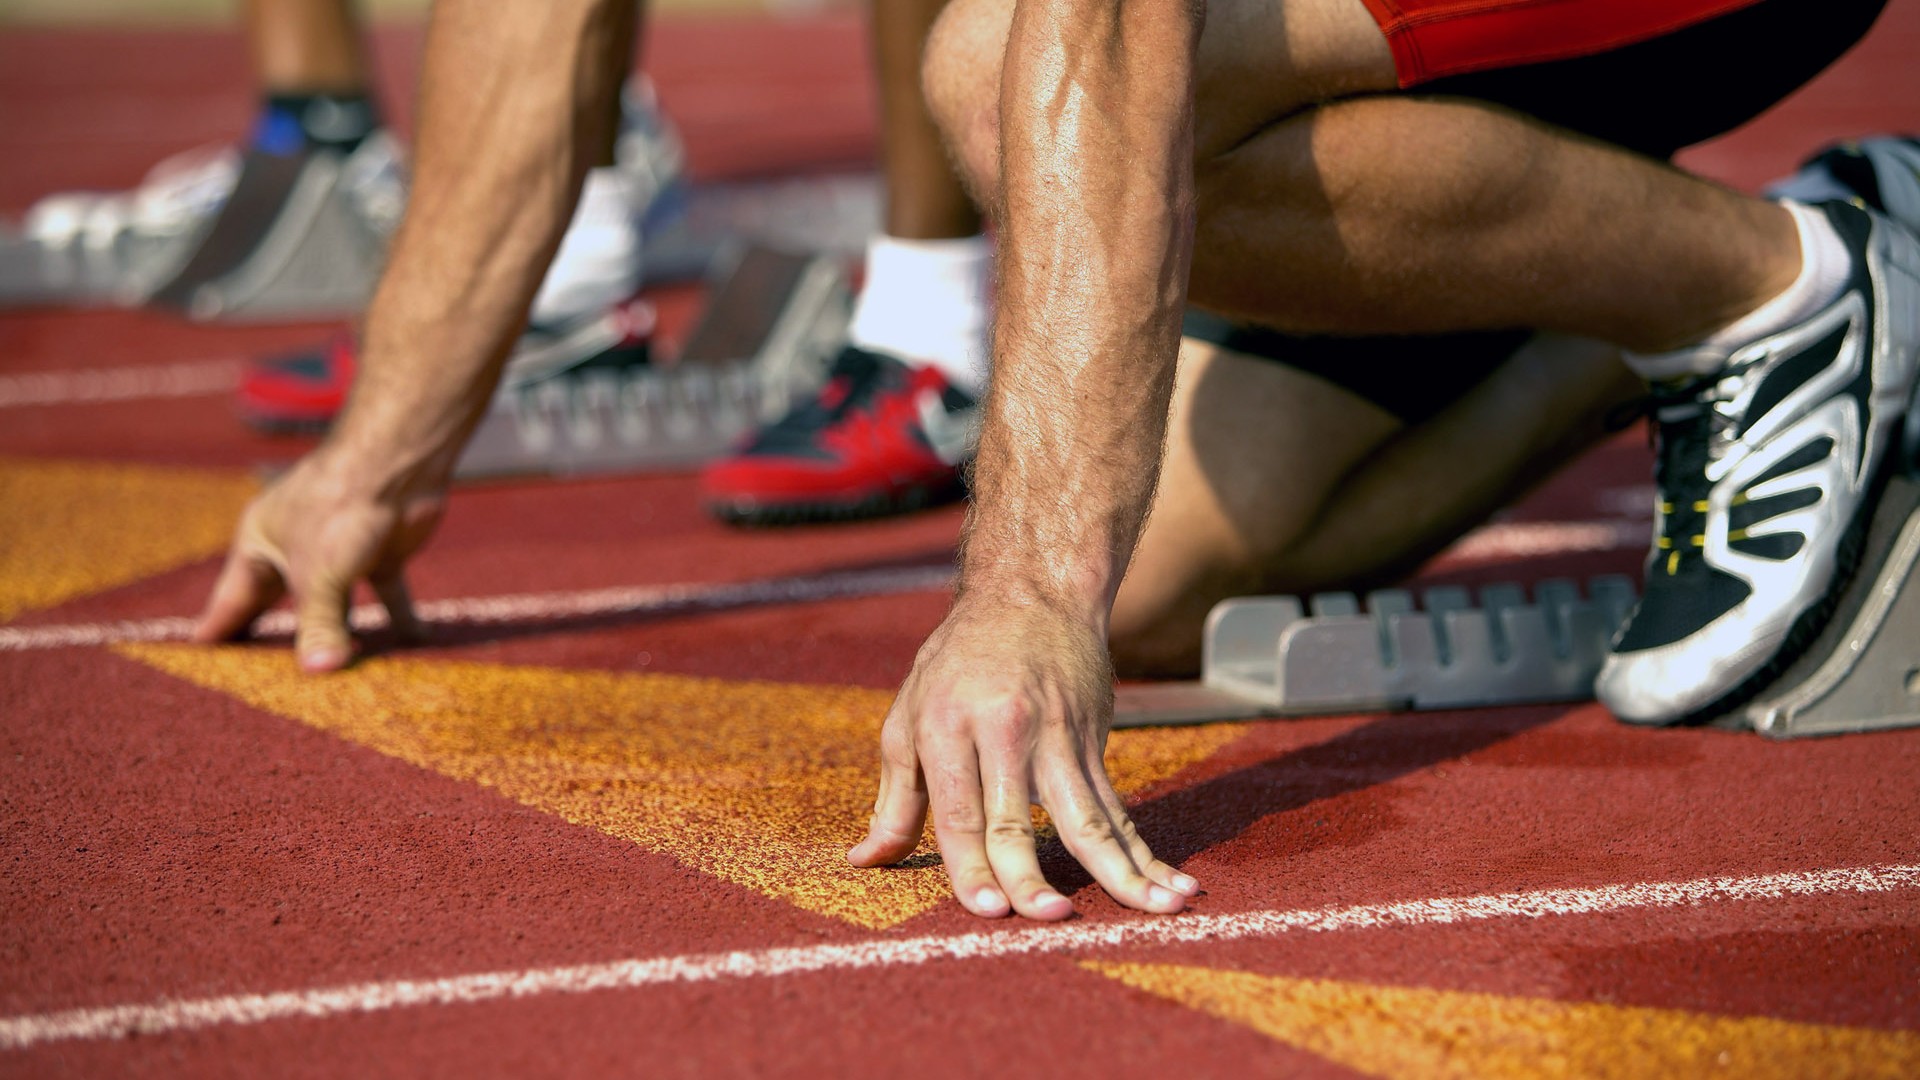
point(1096, 230)
point(1010, 700)
point(514, 96)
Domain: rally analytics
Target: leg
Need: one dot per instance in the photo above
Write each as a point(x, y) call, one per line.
point(916, 347)
point(925, 200)
point(307, 47)
point(1276, 481)
point(1306, 214)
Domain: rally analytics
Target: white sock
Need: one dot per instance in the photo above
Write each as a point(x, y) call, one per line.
point(926, 302)
point(598, 264)
point(1825, 266)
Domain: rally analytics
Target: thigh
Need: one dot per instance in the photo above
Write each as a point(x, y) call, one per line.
point(1258, 60)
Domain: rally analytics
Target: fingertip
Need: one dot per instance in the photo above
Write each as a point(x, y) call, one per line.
point(319, 661)
point(1165, 900)
point(990, 903)
point(1049, 905)
point(880, 849)
point(1184, 885)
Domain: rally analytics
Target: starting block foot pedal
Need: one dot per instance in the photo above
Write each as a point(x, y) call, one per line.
point(1278, 656)
point(302, 236)
point(774, 319)
point(1863, 672)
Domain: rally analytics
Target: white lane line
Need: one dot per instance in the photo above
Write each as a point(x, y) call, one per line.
point(524, 607)
point(1494, 543)
point(1535, 539)
point(167, 1016)
point(137, 382)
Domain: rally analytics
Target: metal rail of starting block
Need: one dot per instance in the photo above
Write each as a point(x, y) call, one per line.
point(764, 339)
point(1278, 656)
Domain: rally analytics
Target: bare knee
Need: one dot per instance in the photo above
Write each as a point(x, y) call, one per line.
point(961, 78)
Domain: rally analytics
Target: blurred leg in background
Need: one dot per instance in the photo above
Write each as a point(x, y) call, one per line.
point(893, 427)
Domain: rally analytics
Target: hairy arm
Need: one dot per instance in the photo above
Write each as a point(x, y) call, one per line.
point(515, 95)
point(1010, 700)
point(512, 95)
point(1096, 232)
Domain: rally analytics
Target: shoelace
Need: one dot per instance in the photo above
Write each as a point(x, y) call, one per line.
point(1691, 419)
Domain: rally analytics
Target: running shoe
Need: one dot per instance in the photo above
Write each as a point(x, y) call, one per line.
point(1768, 472)
point(299, 394)
point(1883, 172)
point(881, 437)
point(302, 393)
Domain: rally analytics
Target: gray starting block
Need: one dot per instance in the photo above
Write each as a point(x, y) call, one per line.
point(765, 338)
point(1277, 656)
point(1863, 672)
point(301, 238)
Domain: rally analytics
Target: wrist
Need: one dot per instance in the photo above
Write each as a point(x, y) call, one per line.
point(365, 465)
point(1076, 595)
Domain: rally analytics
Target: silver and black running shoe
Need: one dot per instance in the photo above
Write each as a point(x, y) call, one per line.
point(1768, 470)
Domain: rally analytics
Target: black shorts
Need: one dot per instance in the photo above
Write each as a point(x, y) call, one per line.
point(1655, 97)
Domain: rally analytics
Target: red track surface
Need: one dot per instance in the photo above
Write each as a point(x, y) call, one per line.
point(170, 837)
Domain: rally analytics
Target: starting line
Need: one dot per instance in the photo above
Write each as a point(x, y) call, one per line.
point(132, 382)
point(523, 607)
point(1493, 543)
point(172, 1016)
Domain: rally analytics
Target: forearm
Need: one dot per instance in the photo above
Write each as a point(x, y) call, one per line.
point(511, 97)
point(1095, 237)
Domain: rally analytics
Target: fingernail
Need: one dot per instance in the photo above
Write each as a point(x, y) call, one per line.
point(989, 900)
point(1051, 899)
point(1185, 884)
point(1161, 895)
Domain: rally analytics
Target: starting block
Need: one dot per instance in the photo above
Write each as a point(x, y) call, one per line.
point(765, 338)
point(301, 237)
point(1276, 656)
point(833, 214)
point(1863, 672)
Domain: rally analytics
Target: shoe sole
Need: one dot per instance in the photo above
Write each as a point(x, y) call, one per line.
point(749, 514)
point(285, 426)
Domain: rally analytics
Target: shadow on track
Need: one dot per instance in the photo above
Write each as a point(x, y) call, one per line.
point(1186, 822)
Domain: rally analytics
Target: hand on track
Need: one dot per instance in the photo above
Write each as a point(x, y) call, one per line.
point(1007, 707)
point(314, 533)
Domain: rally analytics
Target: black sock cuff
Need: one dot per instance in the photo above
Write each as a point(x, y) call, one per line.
point(340, 121)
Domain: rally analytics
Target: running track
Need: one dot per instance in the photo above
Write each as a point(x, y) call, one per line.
point(596, 826)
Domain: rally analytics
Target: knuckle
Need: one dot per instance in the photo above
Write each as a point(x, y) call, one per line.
point(959, 820)
point(1010, 830)
point(1093, 830)
point(896, 747)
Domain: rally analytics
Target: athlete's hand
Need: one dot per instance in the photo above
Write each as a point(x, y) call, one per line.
point(1008, 706)
point(314, 532)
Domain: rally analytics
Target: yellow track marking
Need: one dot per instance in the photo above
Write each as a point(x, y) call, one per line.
point(70, 528)
point(1414, 1034)
point(763, 784)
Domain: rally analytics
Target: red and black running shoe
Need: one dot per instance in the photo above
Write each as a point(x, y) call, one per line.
point(302, 393)
point(298, 394)
point(881, 437)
